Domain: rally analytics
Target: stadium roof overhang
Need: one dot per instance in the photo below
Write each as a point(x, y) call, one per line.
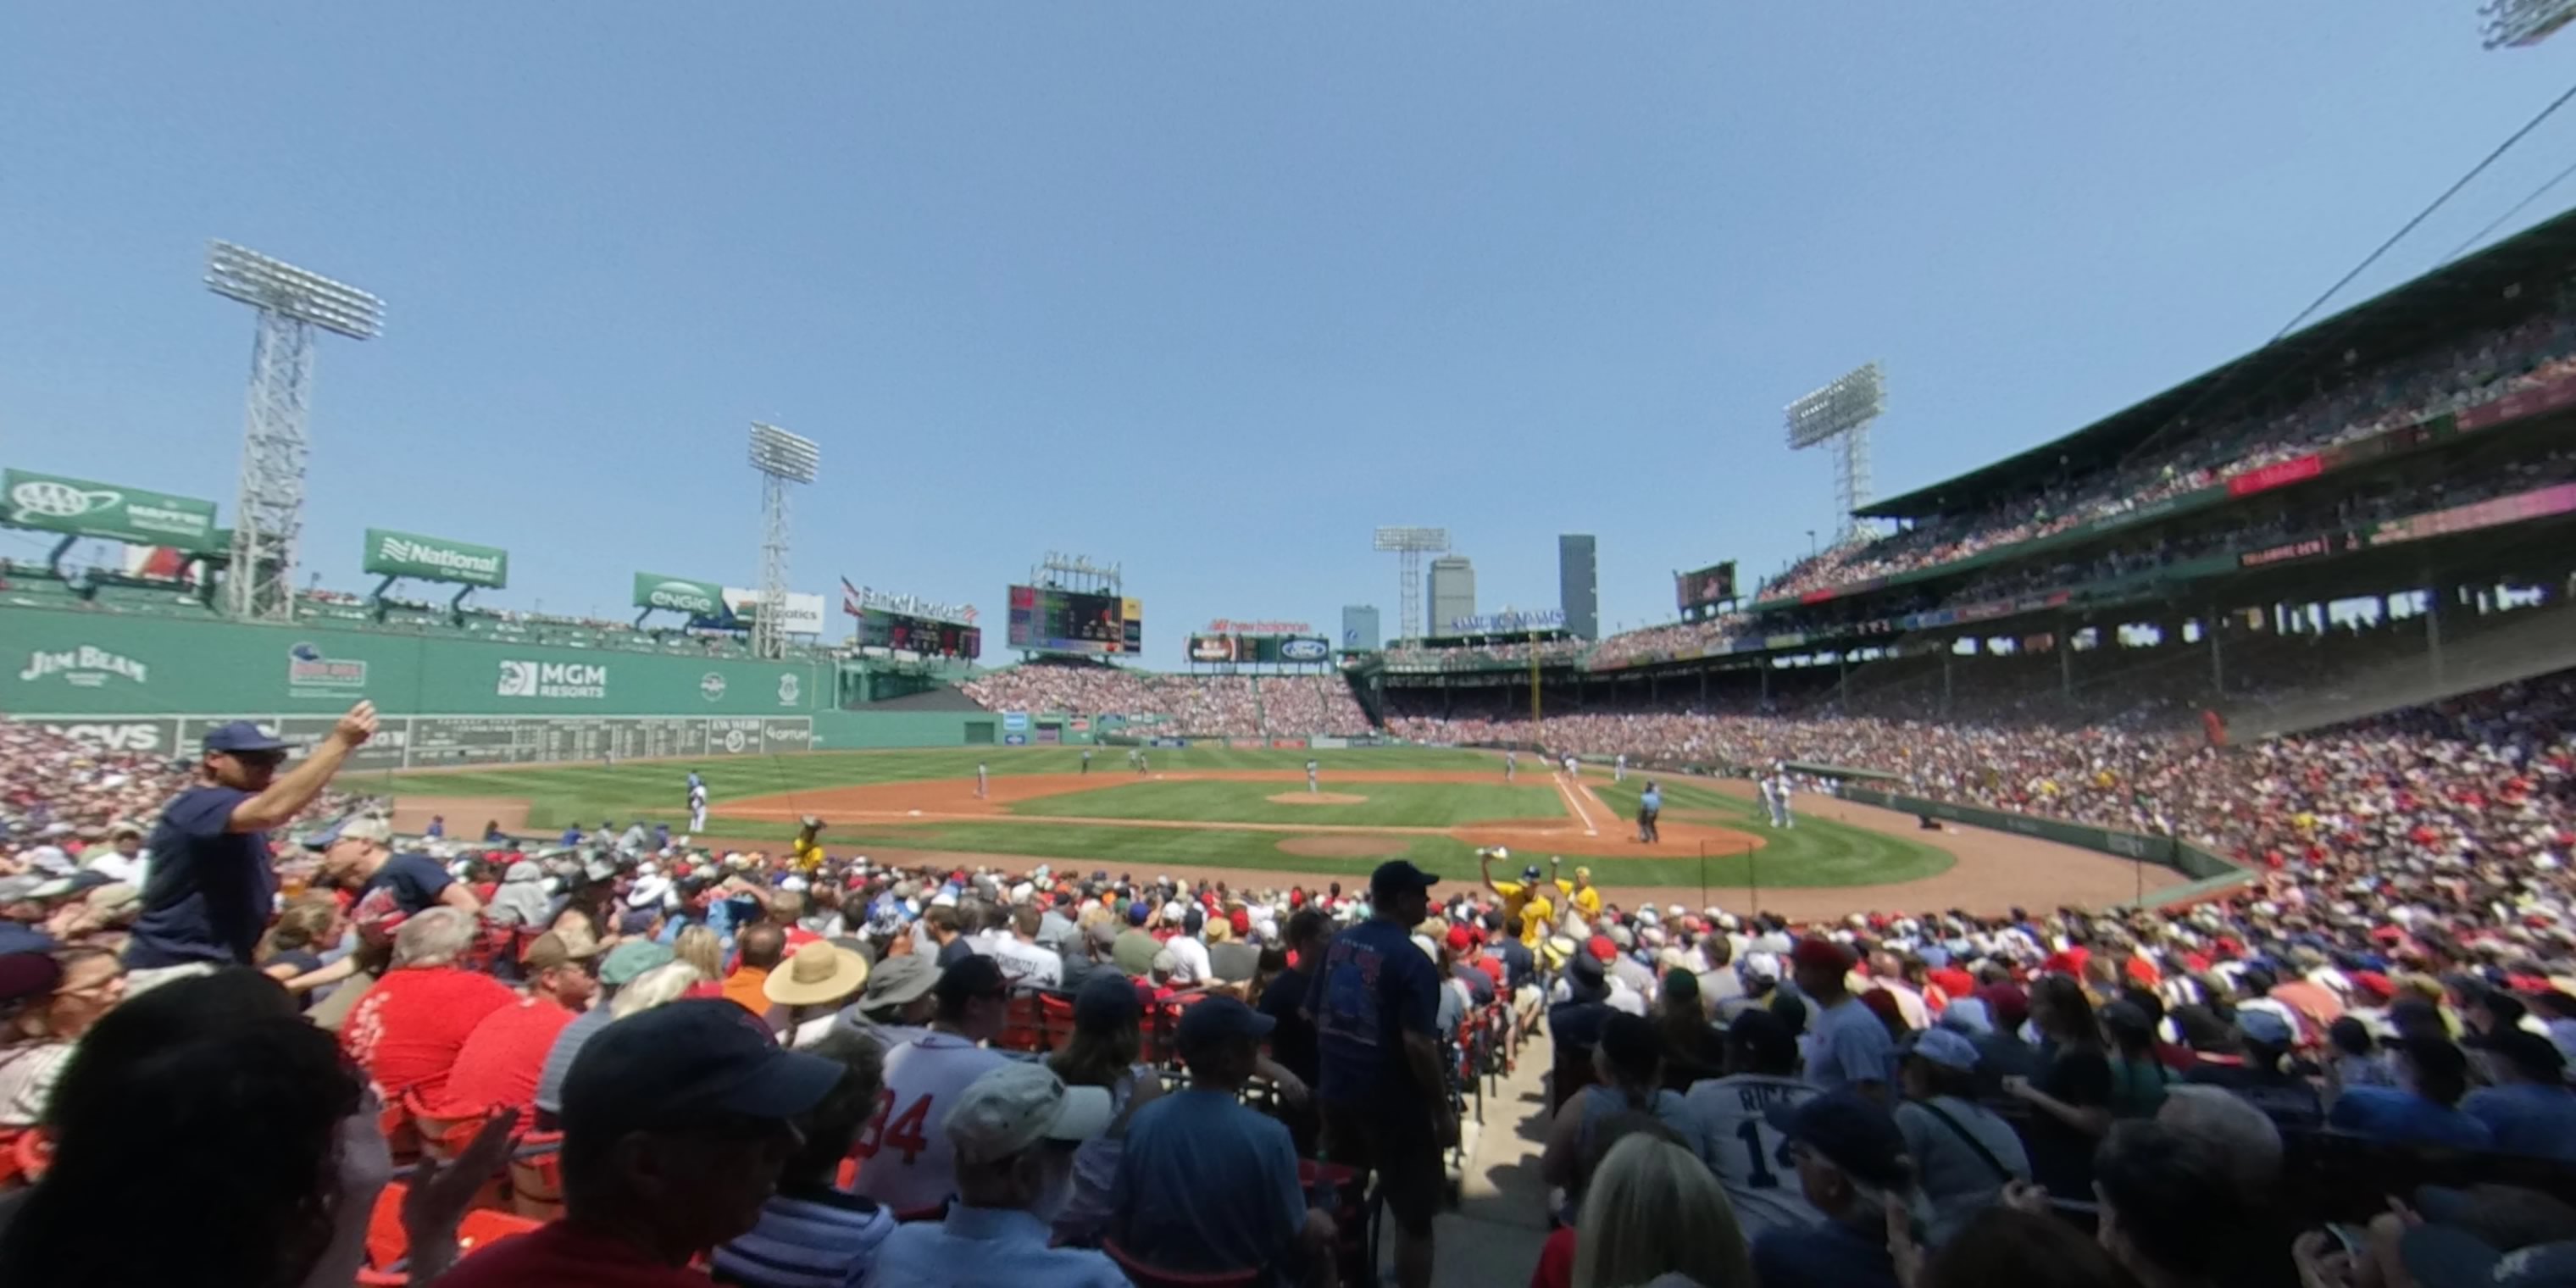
point(2403, 317)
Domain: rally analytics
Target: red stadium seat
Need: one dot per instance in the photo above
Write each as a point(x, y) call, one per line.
point(1146, 1276)
point(484, 1227)
point(1023, 1024)
point(387, 1242)
point(402, 1137)
point(444, 1130)
point(536, 1176)
point(1055, 1013)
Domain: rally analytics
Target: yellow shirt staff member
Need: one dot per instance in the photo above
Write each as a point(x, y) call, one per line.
point(1580, 894)
point(1525, 898)
point(808, 849)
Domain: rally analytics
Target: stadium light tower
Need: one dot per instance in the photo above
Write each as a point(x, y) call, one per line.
point(2524, 22)
point(269, 517)
point(782, 458)
point(1409, 545)
point(1840, 414)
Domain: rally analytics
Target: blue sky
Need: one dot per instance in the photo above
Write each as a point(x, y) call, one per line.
point(1211, 289)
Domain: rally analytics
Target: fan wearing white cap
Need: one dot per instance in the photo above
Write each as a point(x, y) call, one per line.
point(1014, 1131)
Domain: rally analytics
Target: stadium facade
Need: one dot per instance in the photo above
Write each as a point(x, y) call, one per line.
point(2384, 499)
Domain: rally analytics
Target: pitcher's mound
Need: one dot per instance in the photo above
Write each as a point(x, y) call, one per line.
point(1343, 847)
point(1316, 798)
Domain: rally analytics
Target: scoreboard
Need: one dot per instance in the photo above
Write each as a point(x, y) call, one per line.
point(923, 635)
point(1062, 621)
point(1698, 593)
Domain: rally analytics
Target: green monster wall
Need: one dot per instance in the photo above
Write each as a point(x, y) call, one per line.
point(99, 663)
point(146, 684)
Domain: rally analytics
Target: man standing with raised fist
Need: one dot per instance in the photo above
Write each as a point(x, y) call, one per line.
point(212, 885)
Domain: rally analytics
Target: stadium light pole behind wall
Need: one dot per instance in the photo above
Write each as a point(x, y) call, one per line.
point(2524, 22)
point(1409, 545)
point(268, 517)
point(1840, 414)
point(782, 458)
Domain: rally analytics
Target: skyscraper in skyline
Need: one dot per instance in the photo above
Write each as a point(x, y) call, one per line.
point(1578, 585)
point(1450, 586)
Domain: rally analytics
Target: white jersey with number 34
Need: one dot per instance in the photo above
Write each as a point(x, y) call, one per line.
point(1752, 1158)
point(905, 1161)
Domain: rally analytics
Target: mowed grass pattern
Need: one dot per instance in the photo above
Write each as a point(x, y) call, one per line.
point(1816, 853)
point(656, 791)
point(1388, 804)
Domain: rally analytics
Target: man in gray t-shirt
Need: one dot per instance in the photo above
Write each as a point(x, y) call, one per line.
point(1847, 1046)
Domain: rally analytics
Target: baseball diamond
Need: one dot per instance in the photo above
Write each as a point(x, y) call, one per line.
point(1213, 811)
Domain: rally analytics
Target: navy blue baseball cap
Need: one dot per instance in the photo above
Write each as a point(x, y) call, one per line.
point(1219, 1019)
point(1849, 1129)
point(242, 735)
point(685, 1064)
point(1400, 875)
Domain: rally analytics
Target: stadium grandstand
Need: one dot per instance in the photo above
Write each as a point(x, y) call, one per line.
point(2297, 629)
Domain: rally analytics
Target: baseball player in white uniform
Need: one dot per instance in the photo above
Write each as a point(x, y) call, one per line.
point(1573, 767)
point(1619, 768)
point(1780, 813)
point(981, 783)
point(697, 802)
point(1310, 777)
point(1511, 765)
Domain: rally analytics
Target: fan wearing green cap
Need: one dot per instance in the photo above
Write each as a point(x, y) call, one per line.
point(1012, 1133)
point(619, 968)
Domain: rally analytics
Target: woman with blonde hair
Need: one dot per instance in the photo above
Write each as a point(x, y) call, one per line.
point(699, 947)
point(1654, 1209)
point(660, 986)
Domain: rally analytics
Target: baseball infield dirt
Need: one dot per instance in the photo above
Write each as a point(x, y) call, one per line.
point(465, 815)
point(1343, 847)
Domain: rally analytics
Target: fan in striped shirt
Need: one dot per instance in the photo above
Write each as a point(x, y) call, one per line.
point(813, 1234)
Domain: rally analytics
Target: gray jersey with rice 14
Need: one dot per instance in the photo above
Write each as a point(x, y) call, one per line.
point(1749, 1154)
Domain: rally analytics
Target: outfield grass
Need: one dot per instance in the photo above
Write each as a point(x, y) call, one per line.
point(587, 793)
point(1815, 853)
point(1388, 804)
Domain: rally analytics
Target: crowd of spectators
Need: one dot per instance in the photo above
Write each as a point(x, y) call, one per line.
point(2473, 370)
point(1479, 656)
point(1312, 704)
point(2539, 351)
point(1287, 705)
point(802, 1068)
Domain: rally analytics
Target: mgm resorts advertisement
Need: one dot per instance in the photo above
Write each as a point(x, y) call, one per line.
point(1260, 650)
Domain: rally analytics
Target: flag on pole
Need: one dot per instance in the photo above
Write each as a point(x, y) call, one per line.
point(850, 597)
